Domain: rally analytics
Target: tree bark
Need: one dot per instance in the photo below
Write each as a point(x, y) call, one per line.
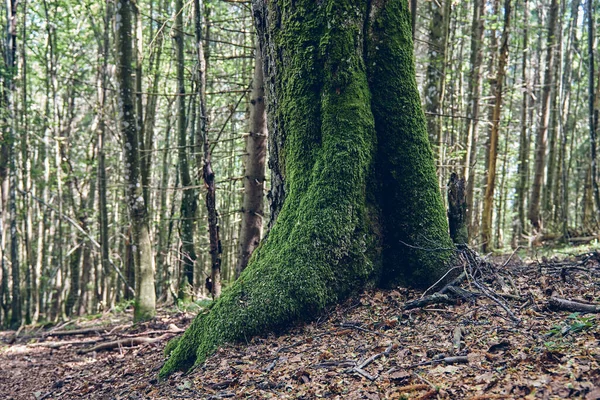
point(593, 111)
point(254, 175)
point(457, 210)
point(347, 106)
point(145, 297)
point(488, 199)
point(10, 88)
point(474, 94)
point(188, 196)
point(542, 133)
point(524, 143)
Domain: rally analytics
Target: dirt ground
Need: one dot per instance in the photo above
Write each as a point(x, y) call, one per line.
point(501, 337)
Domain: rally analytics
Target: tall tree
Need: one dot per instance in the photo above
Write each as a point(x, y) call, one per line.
point(474, 93)
point(524, 143)
point(254, 175)
point(541, 140)
point(593, 111)
point(145, 297)
point(188, 197)
point(10, 138)
point(434, 85)
point(488, 199)
point(340, 85)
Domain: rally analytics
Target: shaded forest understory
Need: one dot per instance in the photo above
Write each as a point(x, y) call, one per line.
point(500, 336)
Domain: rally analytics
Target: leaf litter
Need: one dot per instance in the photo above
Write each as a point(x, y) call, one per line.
point(496, 335)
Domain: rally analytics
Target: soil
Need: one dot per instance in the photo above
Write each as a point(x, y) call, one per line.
point(370, 347)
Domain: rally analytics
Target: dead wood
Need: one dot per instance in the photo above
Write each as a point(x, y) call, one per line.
point(556, 303)
point(457, 339)
point(129, 342)
point(446, 360)
point(429, 395)
point(412, 388)
point(56, 345)
point(435, 298)
point(72, 332)
point(172, 329)
point(365, 374)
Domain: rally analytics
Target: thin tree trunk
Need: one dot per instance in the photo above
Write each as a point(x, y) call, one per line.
point(593, 112)
point(477, 28)
point(144, 290)
point(551, 166)
point(488, 199)
point(162, 255)
point(10, 132)
point(254, 175)
point(101, 172)
point(207, 171)
point(524, 144)
point(32, 276)
point(542, 133)
point(188, 196)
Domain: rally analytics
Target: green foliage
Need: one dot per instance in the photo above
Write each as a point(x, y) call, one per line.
point(575, 323)
point(123, 305)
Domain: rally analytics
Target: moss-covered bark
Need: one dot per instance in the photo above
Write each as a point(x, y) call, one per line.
point(326, 241)
point(416, 242)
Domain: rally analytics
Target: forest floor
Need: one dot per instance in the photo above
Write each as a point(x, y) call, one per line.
point(501, 337)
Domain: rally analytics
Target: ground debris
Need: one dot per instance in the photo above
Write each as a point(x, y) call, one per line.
point(375, 347)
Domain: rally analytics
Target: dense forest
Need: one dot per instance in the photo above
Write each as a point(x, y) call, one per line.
point(374, 169)
point(134, 158)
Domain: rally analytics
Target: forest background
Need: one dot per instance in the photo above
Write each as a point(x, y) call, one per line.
point(510, 92)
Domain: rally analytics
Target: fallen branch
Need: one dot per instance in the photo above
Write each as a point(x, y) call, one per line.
point(172, 329)
point(71, 332)
point(335, 364)
point(489, 295)
point(129, 342)
point(364, 373)
point(375, 357)
point(446, 360)
point(412, 388)
point(56, 345)
point(360, 328)
point(557, 303)
point(435, 298)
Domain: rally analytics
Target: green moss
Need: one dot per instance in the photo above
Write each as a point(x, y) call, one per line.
point(317, 252)
point(325, 243)
point(171, 345)
point(417, 246)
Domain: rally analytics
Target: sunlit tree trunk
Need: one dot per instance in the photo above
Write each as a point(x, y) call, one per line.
point(474, 93)
point(145, 296)
point(593, 110)
point(188, 195)
point(254, 175)
point(542, 133)
point(488, 199)
point(524, 143)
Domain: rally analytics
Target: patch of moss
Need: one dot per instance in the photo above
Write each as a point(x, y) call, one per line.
point(325, 243)
point(317, 251)
point(417, 246)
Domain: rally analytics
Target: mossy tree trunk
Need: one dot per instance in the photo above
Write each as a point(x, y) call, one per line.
point(356, 198)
